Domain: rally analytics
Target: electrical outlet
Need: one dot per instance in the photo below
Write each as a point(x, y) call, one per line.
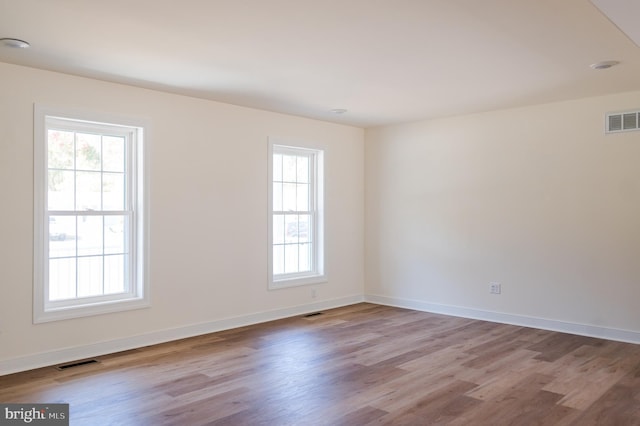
point(314, 293)
point(495, 288)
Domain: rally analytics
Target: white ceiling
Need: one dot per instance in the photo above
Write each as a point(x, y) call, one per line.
point(386, 61)
point(625, 14)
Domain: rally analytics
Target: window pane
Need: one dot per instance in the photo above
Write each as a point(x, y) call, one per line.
point(114, 276)
point(62, 234)
point(88, 190)
point(277, 197)
point(302, 197)
point(88, 152)
point(114, 234)
point(113, 195)
point(89, 235)
point(113, 157)
point(289, 168)
point(90, 210)
point(60, 150)
point(290, 258)
point(293, 250)
point(291, 227)
point(304, 257)
point(60, 193)
point(304, 228)
point(289, 197)
point(277, 167)
point(278, 229)
point(89, 276)
point(278, 260)
point(62, 279)
point(303, 170)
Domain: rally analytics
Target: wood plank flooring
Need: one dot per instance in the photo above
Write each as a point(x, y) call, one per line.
point(359, 365)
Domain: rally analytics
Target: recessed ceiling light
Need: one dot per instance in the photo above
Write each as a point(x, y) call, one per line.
point(14, 43)
point(604, 65)
point(338, 111)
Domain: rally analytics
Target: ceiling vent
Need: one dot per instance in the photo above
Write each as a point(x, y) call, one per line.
point(623, 121)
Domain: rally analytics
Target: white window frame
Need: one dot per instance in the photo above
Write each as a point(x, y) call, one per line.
point(137, 168)
point(318, 274)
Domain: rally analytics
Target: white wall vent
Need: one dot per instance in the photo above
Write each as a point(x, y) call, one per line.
point(623, 121)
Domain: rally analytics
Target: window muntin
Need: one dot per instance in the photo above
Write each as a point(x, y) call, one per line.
point(90, 217)
point(296, 255)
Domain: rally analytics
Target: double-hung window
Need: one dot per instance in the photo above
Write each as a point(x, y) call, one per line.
point(90, 215)
point(296, 243)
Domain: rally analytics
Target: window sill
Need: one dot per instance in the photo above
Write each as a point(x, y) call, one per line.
point(297, 282)
point(63, 313)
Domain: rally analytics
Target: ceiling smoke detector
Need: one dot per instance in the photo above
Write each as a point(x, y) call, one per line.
point(604, 65)
point(14, 43)
point(338, 111)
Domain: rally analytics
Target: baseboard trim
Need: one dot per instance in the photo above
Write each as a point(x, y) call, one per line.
point(521, 320)
point(61, 356)
point(65, 355)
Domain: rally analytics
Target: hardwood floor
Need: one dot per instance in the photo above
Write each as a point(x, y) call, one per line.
point(359, 365)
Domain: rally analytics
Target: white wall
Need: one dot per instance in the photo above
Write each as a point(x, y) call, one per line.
point(208, 217)
point(538, 199)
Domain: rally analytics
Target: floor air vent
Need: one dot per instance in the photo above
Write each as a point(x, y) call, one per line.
point(77, 364)
point(623, 121)
point(313, 314)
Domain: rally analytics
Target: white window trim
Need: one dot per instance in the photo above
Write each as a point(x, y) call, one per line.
point(320, 274)
point(140, 296)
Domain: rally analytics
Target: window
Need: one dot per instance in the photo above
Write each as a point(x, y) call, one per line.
point(90, 215)
point(296, 247)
